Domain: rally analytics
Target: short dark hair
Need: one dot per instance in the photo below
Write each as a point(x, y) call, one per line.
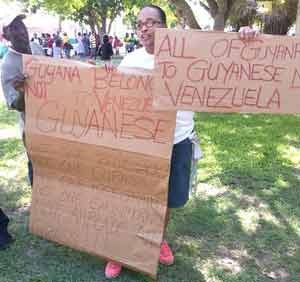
point(160, 11)
point(105, 38)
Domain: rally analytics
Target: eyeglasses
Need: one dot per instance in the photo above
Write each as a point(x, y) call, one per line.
point(148, 23)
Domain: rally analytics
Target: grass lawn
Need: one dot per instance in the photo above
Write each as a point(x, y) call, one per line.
point(242, 223)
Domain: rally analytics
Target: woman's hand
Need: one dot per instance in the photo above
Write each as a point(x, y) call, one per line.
point(247, 33)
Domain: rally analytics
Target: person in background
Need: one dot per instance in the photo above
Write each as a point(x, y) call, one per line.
point(93, 45)
point(36, 48)
point(80, 46)
point(67, 49)
point(86, 44)
point(5, 238)
point(45, 43)
point(65, 38)
point(49, 45)
point(36, 39)
point(106, 51)
point(116, 45)
point(132, 43)
point(126, 41)
point(57, 48)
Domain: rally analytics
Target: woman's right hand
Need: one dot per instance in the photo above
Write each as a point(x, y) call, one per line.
point(247, 33)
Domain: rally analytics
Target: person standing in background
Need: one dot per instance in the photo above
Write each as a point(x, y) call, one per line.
point(93, 45)
point(80, 46)
point(116, 45)
point(86, 44)
point(106, 51)
point(58, 48)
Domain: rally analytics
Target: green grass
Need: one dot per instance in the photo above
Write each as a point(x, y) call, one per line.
point(241, 225)
point(7, 119)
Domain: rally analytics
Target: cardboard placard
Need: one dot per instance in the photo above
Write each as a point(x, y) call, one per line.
point(218, 72)
point(101, 160)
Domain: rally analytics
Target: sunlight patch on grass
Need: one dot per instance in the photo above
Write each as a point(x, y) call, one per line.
point(206, 190)
point(207, 271)
point(270, 218)
point(231, 260)
point(224, 204)
point(282, 183)
point(9, 133)
point(249, 219)
point(210, 158)
point(290, 153)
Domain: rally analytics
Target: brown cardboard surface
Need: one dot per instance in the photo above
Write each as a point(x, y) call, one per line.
point(101, 160)
point(217, 72)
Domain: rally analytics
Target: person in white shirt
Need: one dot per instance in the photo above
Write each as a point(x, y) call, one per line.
point(151, 17)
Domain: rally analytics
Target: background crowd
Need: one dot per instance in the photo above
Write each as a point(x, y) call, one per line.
point(87, 45)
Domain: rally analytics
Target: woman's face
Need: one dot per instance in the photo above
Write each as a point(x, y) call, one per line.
point(148, 20)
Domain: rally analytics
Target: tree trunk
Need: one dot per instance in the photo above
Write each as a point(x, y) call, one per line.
point(91, 22)
point(185, 13)
point(219, 21)
point(60, 23)
point(92, 26)
point(103, 26)
point(98, 28)
point(109, 26)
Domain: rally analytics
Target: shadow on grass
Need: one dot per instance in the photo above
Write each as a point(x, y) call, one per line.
point(32, 258)
point(249, 232)
point(254, 158)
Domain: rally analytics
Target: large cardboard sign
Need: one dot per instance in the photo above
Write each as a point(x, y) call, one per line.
point(218, 72)
point(101, 160)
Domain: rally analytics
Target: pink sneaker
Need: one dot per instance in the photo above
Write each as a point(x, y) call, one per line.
point(112, 269)
point(166, 256)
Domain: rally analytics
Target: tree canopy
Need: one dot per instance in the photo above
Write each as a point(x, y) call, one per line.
point(100, 14)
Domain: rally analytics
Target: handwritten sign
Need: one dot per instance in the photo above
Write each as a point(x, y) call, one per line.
point(101, 160)
point(218, 72)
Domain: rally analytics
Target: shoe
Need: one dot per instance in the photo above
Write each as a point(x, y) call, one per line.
point(112, 269)
point(5, 240)
point(166, 256)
